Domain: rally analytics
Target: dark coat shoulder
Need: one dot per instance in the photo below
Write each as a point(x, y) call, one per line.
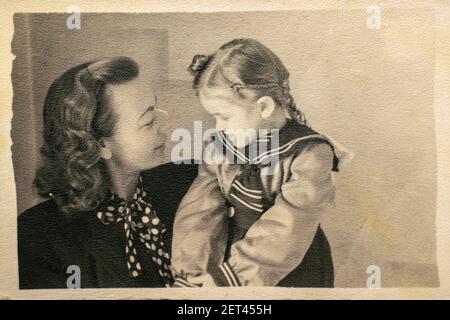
point(39, 230)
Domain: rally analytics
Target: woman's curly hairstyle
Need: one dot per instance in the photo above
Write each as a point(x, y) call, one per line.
point(76, 118)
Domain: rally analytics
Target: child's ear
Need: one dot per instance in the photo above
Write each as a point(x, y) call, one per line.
point(266, 106)
point(105, 151)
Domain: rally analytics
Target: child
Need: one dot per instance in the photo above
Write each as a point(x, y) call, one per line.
point(239, 225)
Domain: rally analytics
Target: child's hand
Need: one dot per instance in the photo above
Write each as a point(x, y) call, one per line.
point(205, 280)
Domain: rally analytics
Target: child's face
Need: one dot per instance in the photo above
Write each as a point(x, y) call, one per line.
point(232, 117)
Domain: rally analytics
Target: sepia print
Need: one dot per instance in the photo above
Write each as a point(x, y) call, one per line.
point(196, 151)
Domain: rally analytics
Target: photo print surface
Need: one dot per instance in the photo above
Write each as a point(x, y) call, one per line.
point(111, 122)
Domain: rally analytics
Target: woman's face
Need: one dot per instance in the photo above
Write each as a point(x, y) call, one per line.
point(138, 140)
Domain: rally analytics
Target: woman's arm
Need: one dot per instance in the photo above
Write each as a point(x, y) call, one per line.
point(278, 241)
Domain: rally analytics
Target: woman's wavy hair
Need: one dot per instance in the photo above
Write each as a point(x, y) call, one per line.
point(246, 65)
point(76, 119)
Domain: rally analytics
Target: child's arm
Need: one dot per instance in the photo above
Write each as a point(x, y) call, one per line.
point(200, 229)
point(278, 241)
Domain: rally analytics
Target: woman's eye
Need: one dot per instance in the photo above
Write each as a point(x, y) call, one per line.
point(149, 124)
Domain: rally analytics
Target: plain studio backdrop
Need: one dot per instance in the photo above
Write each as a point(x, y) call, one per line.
point(369, 89)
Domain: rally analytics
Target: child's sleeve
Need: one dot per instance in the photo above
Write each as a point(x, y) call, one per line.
point(276, 243)
point(200, 229)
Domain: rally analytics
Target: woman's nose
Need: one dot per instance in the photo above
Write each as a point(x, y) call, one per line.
point(163, 121)
point(161, 113)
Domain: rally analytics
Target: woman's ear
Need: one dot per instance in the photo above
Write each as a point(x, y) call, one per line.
point(266, 106)
point(105, 151)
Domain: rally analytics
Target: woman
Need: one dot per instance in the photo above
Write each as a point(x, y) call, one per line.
point(111, 207)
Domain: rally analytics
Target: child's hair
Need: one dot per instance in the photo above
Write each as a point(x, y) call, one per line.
point(246, 65)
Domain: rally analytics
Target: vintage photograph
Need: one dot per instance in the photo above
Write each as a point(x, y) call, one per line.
point(291, 148)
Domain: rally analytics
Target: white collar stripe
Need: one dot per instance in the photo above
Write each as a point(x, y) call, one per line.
point(246, 189)
point(231, 274)
point(228, 276)
point(232, 148)
point(284, 148)
point(246, 193)
point(245, 203)
point(183, 283)
point(289, 143)
point(270, 153)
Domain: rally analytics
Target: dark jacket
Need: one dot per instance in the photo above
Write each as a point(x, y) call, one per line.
point(50, 241)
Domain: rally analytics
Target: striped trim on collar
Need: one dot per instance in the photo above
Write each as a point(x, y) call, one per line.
point(182, 283)
point(270, 153)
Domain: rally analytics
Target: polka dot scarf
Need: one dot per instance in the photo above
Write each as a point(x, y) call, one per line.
point(139, 222)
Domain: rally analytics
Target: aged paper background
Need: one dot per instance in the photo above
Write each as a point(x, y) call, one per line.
point(438, 45)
